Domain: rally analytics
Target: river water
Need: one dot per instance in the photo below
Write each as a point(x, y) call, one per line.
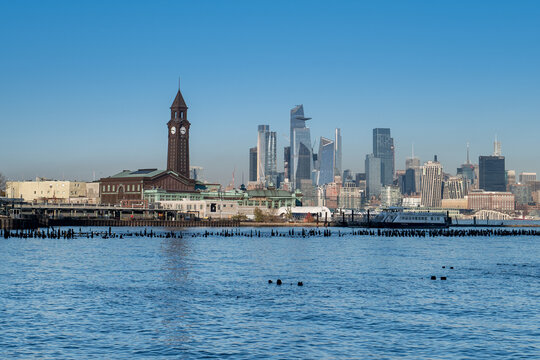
point(195, 297)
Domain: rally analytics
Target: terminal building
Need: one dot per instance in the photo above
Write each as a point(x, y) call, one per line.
point(127, 187)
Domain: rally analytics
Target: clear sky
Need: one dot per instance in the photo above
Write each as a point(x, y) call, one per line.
point(85, 86)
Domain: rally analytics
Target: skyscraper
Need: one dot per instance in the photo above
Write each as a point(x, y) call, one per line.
point(432, 176)
point(492, 174)
point(286, 162)
point(301, 153)
point(413, 164)
point(383, 148)
point(467, 172)
point(266, 156)
point(337, 153)
point(373, 175)
point(253, 164)
point(326, 158)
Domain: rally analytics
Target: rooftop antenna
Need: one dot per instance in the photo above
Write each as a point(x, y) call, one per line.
point(412, 151)
point(468, 162)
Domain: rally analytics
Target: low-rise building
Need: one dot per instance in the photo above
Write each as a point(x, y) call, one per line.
point(48, 191)
point(491, 200)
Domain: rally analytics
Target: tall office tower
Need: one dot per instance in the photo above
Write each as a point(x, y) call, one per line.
point(492, 174)
point(326, 158)
point(413, 163)
point(496, 147)
point(454, 188)
point(383, 148)
point(253, 164)
point(525, 177)
point(510, 178)
point(266, 156)
point(467, 172)
point(337, 153)
point(409, 181)
point(432, 176)
point(301, 152)
point(286, 164)
point(373, 176)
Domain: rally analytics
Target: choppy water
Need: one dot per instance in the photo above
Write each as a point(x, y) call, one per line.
point(363, 297)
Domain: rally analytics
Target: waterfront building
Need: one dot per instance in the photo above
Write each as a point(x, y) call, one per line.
point(222, 204)
point(252, 164)
point(492, 173)
point(127, 186)
point(53, 191)
point(491, 200)
point(373, 176)
point(326, 158)
point(266, 156)
point(383, 148)
point(460, 204)
point(526, 177)
point(432, 177)
point(301, 158)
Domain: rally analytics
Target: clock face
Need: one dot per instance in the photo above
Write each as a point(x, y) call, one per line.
point(183, 130)
point(173, 130)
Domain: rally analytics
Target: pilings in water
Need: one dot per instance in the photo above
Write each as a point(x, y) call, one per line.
point(52, 233)
point(33, 223)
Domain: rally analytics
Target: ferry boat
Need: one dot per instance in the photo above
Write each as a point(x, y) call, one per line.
point(397, 218)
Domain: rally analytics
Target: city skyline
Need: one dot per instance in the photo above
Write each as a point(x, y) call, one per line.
point(101, 88)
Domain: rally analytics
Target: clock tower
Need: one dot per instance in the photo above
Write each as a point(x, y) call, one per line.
point(178, 127)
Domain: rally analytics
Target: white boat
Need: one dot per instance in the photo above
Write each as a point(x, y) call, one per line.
point(397, 218)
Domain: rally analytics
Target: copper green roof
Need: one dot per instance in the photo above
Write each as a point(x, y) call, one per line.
point(269, 193)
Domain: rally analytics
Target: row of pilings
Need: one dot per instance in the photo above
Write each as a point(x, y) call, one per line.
point(62, 233)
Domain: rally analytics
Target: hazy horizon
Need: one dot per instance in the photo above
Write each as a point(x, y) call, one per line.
point(87, 88)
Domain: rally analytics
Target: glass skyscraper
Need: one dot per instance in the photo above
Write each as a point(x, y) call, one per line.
point(337, 153)
point(383, 148)
point(492, 173)
point(266, 156)
point(300, 164)
point(253, 164)
point(326, 158)
point(373, 175)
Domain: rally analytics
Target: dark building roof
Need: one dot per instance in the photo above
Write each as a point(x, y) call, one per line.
point(179, 102)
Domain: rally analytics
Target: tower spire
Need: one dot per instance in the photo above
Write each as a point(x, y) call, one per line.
point(412, 155)
point(468, 161)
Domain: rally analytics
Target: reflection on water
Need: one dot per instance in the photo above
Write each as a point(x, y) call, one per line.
point(363, 297)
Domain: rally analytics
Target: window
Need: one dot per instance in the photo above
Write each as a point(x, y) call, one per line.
point(108, 187)
point(113, 187)
point(103, 188)
point(138, 187)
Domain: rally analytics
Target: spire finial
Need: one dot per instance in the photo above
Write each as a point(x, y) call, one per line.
point(179, 83)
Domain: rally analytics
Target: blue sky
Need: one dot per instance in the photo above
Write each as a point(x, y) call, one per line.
point(86, 86)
